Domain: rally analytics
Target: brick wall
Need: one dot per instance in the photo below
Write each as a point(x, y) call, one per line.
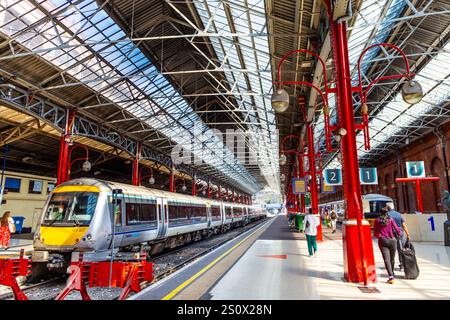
point(428, 149)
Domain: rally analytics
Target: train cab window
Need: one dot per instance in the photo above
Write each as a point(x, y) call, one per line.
point(118, 212)
point(12, 184)
point(35, 186)
point(72, 208)
point(215, 213)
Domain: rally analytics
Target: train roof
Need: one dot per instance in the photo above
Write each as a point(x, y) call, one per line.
point(376, 196)
point(108, 186)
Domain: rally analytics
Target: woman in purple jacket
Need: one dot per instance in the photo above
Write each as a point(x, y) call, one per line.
point(384, 229)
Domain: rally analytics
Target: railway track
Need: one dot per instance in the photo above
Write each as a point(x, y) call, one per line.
point(165, 264)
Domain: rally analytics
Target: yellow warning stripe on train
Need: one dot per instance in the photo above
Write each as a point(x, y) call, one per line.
point(76, 189)
point(62, 236)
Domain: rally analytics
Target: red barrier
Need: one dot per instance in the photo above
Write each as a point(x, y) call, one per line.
point(10, 269)
point(126, 275)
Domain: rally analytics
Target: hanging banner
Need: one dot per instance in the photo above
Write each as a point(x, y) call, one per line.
point(368, 175)
point(299, 186)
point(332, 177)
point(415, 169)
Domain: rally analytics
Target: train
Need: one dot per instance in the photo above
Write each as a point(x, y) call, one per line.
point(78, 217)
point(372, 204)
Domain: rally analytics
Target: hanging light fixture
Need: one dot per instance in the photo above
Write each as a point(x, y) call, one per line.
point(412, 92)
point(280, 100)
point(86, 166)
point(283, 159)
point(151, 180)
point(184, 187)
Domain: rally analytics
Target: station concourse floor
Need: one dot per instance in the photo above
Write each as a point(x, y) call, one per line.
point(272, 263)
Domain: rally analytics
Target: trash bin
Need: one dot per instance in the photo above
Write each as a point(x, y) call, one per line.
point(18, 222)
point(299, 221)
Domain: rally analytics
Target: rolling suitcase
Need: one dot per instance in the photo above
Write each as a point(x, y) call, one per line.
point(409, 261)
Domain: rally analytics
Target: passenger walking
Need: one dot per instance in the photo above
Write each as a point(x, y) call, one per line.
point(400, 221)
point(386, 230)
point(333, 217)
point(7, 227)
point(310, 224)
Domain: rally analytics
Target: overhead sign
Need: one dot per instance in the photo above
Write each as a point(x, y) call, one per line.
point(368, 175)
point(332, 177)
point(415, 169)
point(327, 189)
point(299, 186)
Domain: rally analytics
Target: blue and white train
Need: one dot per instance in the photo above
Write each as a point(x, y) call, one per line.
point(78, 216)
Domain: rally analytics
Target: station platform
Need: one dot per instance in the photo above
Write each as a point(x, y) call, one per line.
point(15, 245)
point(272, 263)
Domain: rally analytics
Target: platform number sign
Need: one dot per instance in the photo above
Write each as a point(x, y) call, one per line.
point(415, 169)
point(368, 175)
point(332, 177)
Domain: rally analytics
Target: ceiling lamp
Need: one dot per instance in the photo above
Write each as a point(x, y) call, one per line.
point(412, 92)
point(86, 166)
point(283, 159)
point(280, 100)
point(151, 180)
point(184, 187)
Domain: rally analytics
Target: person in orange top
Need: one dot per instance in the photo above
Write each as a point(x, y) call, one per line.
point(7, 227)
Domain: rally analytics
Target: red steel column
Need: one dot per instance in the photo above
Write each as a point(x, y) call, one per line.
point(209, 189)
point(313, 182)
point(135, 175)
point(194, 187)
point(419, 196)
point(359, 264)
point(63, 159)
point(172, 181)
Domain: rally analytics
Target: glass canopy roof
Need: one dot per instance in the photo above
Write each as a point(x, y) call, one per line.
point(84, 42)
point(247, 53)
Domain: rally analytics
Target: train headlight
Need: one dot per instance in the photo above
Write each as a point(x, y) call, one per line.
point(89, 237)
point(37, 236)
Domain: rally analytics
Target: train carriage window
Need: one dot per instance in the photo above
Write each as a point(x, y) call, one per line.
point(228, 212)
point(215, 213)
point(148, 213)
point(132, 213)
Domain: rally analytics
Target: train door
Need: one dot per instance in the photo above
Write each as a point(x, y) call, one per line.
point(209, 213)
point(163, 217)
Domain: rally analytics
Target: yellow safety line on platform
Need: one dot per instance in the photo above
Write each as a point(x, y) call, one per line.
point(209, 266)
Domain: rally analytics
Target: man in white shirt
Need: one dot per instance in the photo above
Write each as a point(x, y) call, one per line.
point(310, 224)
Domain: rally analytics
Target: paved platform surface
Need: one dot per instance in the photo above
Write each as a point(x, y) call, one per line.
point(272, 262)
point(15, 245)
point(277, 266)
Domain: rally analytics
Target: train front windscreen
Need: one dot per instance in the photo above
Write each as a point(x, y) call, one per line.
point(70, 208)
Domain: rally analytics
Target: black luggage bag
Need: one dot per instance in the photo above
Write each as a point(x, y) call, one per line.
point(409, 261)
